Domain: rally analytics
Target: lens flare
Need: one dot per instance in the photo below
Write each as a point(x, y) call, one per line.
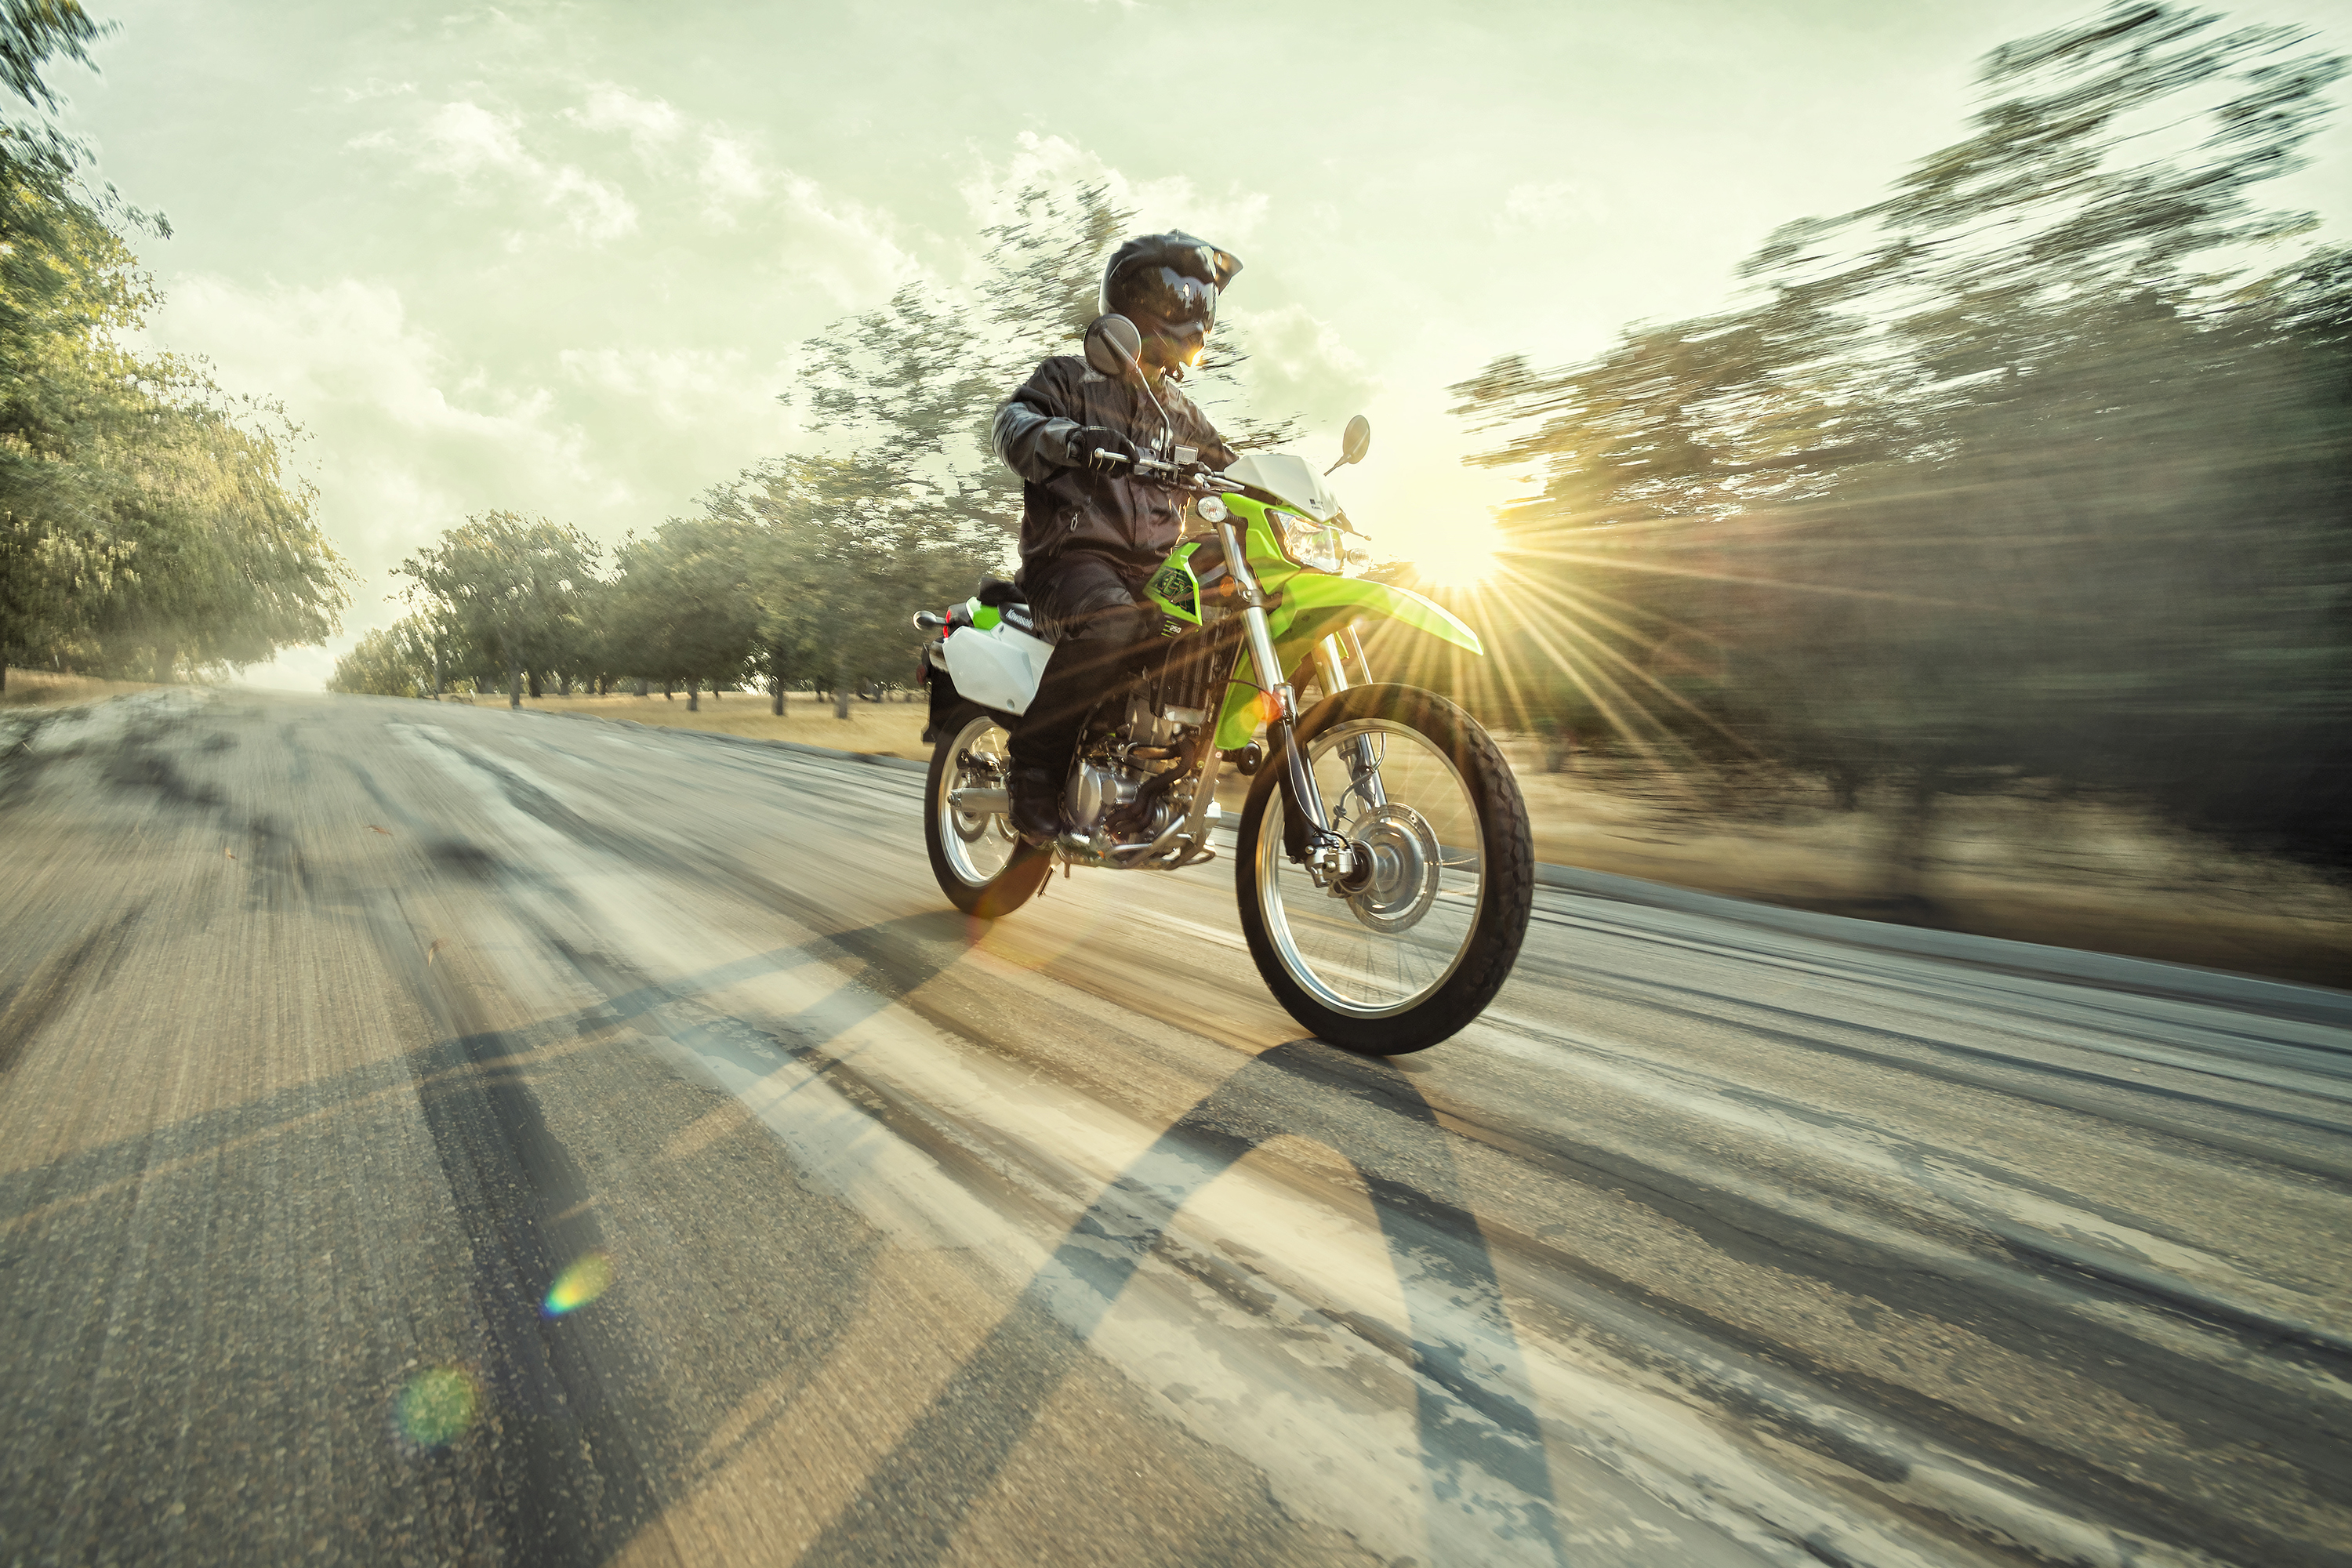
point(435, 1408)
point(581, 1283)
point(1463, 558)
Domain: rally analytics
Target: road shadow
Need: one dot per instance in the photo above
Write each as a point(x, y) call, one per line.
point(919, 1493)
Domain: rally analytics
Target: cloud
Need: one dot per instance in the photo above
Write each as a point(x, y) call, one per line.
point(1173, 202)
point(479, 147)
point(406, 440)
point(649, 122)
point(846, 249)
point(730, 178)
point(375, 87)
point(683, 388)
point(1551, 208)
point(1297, 364)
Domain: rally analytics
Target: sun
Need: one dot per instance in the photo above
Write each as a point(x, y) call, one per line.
point(1462, 556)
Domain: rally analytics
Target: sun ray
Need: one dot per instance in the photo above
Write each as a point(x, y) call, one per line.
point(1673, 781)
point(1579, 558)
point(1561, 597)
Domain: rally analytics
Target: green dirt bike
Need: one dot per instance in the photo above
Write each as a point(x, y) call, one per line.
point(1384, 861)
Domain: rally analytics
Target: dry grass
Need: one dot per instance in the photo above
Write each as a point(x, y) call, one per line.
point(41, 689)
point(883, 729)
point(2098, 875)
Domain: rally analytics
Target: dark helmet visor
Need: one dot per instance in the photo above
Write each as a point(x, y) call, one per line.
point(1163, 297)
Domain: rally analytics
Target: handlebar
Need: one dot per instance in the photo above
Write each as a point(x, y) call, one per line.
point(1192, 476)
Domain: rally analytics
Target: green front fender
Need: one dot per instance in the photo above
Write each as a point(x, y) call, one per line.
point(1320, 604)
point(1313, 605)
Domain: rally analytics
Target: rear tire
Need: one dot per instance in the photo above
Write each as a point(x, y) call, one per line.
point(1420, 951)
point(982, 866)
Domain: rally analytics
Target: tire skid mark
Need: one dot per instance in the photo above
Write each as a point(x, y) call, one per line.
point(564, 1484)
point(27, 1004)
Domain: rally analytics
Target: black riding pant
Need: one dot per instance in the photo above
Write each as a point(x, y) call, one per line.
point(1088, 605)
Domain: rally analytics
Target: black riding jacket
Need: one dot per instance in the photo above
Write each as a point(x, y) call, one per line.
point(1133, 521)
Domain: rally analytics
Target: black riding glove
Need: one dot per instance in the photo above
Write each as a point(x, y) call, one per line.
point(1099, 446)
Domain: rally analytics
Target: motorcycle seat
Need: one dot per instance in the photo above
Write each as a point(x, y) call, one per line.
point(996, 593)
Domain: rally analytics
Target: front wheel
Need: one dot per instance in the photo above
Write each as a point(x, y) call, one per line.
point(1421, 939)
point(982, 866)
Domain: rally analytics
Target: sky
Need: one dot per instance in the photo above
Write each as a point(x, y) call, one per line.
point(560, 259)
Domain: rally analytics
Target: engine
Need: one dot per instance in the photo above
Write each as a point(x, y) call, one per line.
point(1126, 779)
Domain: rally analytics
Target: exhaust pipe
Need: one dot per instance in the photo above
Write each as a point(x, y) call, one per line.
point(981, 802)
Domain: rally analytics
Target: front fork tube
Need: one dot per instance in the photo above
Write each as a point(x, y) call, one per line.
point(1304, 794)
point(1328, 854)
point(1331, 671)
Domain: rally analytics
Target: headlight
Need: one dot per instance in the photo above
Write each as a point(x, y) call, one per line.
point(1209, 508)
point(1310, 544)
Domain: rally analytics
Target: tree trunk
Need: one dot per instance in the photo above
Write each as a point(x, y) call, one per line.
point(693, 696)
point(776, 676)
point(535, 693)
point(1906, 859)
point(514, 686)
point(669, 686)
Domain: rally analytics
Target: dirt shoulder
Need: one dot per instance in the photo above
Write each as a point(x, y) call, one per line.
point(43, 688)
point(880, 729)
point(2089, 875)
point(2100, 876)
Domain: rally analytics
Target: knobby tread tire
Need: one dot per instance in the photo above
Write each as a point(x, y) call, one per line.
point(1506, 892)
point(1022, 875)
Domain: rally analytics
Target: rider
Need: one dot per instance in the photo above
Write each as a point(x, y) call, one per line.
point(1091, 532)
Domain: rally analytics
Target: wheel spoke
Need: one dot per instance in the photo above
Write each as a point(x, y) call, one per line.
point(1384, 949)
point(976, 845)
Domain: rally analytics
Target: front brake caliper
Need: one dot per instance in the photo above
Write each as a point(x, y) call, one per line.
point(1330, 861)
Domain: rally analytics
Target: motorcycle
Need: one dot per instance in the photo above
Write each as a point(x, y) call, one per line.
point(1382, 862)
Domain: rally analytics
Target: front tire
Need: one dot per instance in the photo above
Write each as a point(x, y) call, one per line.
point(1417, 950)
point(984, 867)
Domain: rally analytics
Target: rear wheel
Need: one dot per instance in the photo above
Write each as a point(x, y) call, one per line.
point(1419, 941)
point(982, 864)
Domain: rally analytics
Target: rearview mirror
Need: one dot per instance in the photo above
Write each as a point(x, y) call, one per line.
point(1112, 343)
point(1354, 442)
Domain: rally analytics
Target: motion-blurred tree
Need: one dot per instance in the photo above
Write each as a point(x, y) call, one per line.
point(683, 609)
point(512, 587)
point(916, 385)
point(2018, 470)
point(145, 521)
point(836, 562)
point(398, 661)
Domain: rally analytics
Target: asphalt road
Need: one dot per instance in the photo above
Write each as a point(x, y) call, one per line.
point(433, 1134)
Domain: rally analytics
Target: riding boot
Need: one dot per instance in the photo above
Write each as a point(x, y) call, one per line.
point(1036, 804)
point(1047, 736)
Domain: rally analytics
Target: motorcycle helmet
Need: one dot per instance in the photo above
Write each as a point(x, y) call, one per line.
point(1168, 284)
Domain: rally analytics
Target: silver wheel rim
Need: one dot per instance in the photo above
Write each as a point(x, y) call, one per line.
point(1390, 947)
point(978, 844)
